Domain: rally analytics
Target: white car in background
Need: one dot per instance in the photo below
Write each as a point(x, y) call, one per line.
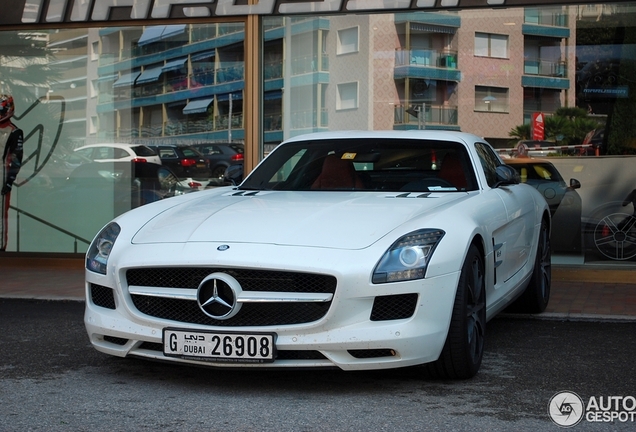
point(117, 152)
point(357, 250)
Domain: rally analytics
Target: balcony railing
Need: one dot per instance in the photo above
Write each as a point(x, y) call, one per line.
point(545, 68)
point(434, 115)
point(309, 119)
point(544, 17)
point(309, 64)
point(184, 127)
point(222, 122)
point(273, 70)
point(431, 58)
point(230, 73)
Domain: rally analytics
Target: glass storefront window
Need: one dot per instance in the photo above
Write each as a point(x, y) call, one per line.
point(489, 72)
point(176, 84)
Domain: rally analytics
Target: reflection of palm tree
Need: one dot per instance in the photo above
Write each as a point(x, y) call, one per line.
point(25, 64)
point(555, 126)
point(521, 132)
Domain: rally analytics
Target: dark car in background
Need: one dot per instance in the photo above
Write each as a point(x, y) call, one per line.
point(563, 199)
point(184, 161)
point(221, 156)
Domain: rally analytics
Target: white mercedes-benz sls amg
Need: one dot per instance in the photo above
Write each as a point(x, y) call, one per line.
point(356, 250)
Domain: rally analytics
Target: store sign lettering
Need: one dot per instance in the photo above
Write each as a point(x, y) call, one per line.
point(54, 11)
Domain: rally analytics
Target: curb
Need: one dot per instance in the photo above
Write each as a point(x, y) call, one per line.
point(575, 317)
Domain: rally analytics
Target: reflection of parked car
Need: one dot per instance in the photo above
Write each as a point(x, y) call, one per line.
point(610, 231)
point(221, 156)
point(113, 152)
point(185, 161)
point(139, 182)
point(330, 247)
point(564, 201)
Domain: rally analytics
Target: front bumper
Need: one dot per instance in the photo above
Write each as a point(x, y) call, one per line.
point(347, 336)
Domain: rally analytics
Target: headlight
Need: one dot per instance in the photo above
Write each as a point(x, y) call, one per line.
point(99, 250)
point(408, 257)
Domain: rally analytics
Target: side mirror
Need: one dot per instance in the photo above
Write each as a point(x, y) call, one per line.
point(574, 184)
point(506, 175)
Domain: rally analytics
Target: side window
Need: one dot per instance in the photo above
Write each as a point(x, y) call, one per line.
point(167, 153)
point(120, 153)
point(489, 162)
point(102, 153)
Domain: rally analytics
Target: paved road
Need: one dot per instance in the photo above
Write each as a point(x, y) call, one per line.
point(51, 379)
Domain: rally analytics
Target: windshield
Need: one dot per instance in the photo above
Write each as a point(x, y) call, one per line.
point(366, 164)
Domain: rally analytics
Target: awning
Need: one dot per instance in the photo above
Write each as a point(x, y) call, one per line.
point(126, 80)
point(202, 55)
point(173, 65)
point(272, 95)
point(173, 30)
point(151, 34)
point(430, 28)
point(226, 96)
point(150, 75)
point(105, 78)
point(197, 106)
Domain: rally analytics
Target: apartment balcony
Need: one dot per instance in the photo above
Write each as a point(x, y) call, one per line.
point(429, 64)
point(545, 74)
point(547, 22)
point(435, 116)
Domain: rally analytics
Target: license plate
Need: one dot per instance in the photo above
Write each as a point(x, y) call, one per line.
point(221, 347)
point(200, 165)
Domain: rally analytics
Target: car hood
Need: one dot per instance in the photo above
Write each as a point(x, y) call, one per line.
point(343, 220)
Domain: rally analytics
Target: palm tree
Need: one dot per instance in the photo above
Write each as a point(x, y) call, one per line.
point(521, 132)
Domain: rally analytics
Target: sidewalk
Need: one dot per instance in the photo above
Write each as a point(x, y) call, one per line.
point(577, 292)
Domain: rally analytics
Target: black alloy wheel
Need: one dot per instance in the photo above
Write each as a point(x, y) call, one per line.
point(464, 347)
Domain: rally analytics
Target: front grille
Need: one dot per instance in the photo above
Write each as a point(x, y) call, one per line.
point(393, 307)
point(102, 296)
point(251, 314)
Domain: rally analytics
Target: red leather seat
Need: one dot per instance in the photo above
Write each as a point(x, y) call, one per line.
point(337, 173)
point(452, 171)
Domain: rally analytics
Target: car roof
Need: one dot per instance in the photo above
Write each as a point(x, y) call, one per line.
point(120, 145)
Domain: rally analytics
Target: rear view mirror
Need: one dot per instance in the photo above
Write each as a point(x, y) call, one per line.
point(506, 175)
point(574, 184)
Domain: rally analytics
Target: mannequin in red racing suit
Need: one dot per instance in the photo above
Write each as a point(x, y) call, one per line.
point(11, 142)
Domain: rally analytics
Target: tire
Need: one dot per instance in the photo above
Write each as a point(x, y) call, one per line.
point(218, 172)
point(537, 294)
point(464, 347)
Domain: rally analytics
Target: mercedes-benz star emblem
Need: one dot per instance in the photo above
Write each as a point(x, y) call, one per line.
point(217, 296)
